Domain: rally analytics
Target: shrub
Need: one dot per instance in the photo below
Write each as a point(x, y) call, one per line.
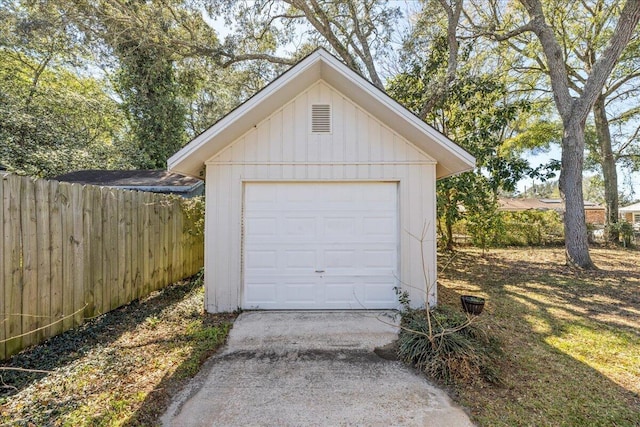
point(525, 228)
point(531, 228)
point(453, 349)
point(625, 230)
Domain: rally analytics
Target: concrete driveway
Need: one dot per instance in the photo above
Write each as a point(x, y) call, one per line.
point(311, 369)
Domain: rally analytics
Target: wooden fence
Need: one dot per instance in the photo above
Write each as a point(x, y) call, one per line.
point(71, 252)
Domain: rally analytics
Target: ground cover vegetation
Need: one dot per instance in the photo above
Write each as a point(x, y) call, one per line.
point(570, 340)
point(121, 368)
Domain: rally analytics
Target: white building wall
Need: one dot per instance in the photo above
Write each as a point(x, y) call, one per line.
point(281, 148)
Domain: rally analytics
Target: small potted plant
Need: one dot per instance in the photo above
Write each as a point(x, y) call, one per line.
point(472, 304)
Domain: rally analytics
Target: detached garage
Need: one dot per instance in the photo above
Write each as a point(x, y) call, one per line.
point(316, 189)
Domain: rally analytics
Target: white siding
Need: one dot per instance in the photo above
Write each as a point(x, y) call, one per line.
point(282, 148)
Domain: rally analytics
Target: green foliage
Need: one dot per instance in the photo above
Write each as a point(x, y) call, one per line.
point(193, 210)
point(483, 222)
point(525, 228)
point(55, 116)
point(530, 228)
point(625, 230)
point(536, 137)
point(476, 114)
point(55, 123)
point(453, 350)
point(151, 101)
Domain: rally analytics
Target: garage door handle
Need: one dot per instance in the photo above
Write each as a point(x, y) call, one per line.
point(319, 271)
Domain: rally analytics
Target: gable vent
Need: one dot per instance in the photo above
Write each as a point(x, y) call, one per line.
point(321, 118)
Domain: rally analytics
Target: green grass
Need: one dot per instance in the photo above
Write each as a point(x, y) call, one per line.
point(571, 340)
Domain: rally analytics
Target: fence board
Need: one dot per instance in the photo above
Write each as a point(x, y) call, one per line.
point(13, 265)
point(55, 225)
point(127, 241)
point(146, 236)
point(97, 257)
point(165, 233)
point(77, 203)
point(44, 257)
point(138, 230)
point(3, 314)
point(155, 242)
point(87, 237)
point(68, 262)
point(67, 246)
point(121, 259)
point(29, 262)
point(111, 251)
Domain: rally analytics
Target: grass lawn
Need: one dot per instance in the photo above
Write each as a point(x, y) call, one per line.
point(571, 339)
point(121, 368)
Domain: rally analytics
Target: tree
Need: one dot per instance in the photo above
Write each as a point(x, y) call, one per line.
point(356, 32)
point(54, 117)
point(152, 104)
point(611, 149)
point(572, 106)
point(476, 114)
point(139, 36)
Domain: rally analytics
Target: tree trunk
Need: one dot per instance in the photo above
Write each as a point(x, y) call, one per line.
point(609, 172)
point(449, 228)
point(575, 227)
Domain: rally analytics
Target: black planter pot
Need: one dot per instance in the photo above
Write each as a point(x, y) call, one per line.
point(472, 305)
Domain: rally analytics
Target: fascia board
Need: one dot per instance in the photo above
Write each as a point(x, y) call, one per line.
point(451, 158)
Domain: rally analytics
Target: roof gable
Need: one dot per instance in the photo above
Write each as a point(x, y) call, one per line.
point(287, 136)
point(320, 65)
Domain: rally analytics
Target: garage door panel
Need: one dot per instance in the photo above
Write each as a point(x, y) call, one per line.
point(379, 259)
point(299, 292)
point(299, 226)
point(382, 194)
point(257, 227)
point(339, 258)
point(261, 294)
point(339, 227)
point(378, 293)
point(341, 293)
point(294, 194)
point(320, 246)
point(262, 259)
point(300, 259)
point(379, 226)
point(260, 193)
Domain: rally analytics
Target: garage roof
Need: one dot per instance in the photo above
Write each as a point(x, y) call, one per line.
point(321, 65)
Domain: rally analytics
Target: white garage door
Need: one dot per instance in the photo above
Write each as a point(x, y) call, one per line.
point(320, 245)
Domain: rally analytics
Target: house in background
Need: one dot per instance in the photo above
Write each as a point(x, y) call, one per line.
point(631, 214)
point(321, 194)
point(155, 181)
point(593, 212)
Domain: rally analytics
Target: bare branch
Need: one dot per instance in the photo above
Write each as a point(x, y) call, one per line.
point(621, 82)
point(233, 58)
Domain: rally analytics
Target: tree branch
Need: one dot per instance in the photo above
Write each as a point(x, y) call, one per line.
point(441, 89)
point(629, 17)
